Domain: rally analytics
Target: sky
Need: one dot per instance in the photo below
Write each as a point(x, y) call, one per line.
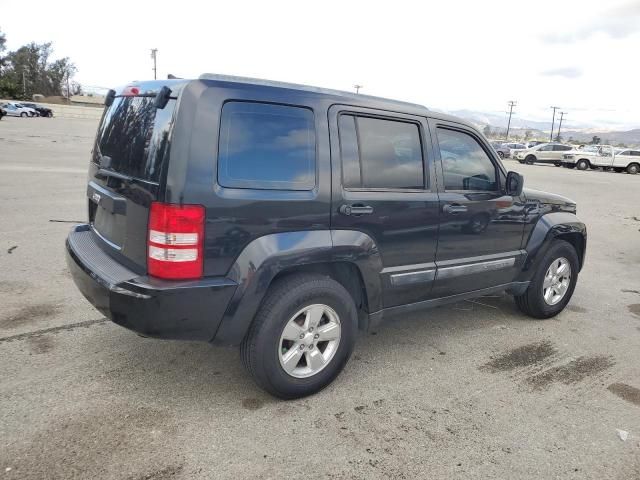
point(580, 55)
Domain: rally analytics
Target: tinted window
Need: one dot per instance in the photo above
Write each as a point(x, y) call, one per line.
point(134, 134)
point(379, 153)
point(546, 148)
point(266, 146)
point(635, 153)
point(465, 164)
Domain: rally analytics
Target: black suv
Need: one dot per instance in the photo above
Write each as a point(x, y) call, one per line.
point(42, 111)
point(282, 218)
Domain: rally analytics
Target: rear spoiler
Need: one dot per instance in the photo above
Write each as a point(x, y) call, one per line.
point(161, 97)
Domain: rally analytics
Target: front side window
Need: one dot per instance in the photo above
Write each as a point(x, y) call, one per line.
point(379, 153)
point(266, 146)
point(465, 164)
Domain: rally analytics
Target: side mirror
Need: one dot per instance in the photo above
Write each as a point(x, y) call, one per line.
point(514, 184)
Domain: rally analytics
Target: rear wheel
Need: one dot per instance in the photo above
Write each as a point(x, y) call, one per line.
point(582, 164)
point(302, 336)
point(633, 168)
point(530, 160)
point(552, 284)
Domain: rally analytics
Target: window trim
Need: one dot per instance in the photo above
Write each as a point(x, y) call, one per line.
point(423, 152)
point(313, 184)
point(499, 169)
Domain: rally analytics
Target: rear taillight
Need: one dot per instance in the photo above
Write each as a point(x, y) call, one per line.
point(176, 236)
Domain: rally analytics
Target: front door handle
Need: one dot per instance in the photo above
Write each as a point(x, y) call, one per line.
point(356, 209)
point(454, 208)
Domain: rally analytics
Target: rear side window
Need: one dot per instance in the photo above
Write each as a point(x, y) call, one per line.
point(380, 153)
point(266, 146)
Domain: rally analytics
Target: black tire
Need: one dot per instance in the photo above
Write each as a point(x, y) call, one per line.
point(501, 155)
point(50, 114)
point(24, 114)
point(521, 161)
point(259, 350)
point(530, 160)
point(618, 169)
point(532, 302)
point(558, 164)
point(582, 164)
point(633, 168)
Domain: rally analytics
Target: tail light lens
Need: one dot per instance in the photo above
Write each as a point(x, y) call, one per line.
point(176, 238)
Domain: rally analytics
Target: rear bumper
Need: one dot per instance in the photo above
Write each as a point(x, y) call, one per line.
point(186, 310)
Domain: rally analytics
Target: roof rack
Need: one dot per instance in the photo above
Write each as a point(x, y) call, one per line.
point(297, 86)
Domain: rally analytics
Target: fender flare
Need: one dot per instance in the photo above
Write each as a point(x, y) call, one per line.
point(549, 227)
point(267, 256)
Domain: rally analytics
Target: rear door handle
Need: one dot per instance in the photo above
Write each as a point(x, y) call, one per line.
point(454, 208)
point(356, 209)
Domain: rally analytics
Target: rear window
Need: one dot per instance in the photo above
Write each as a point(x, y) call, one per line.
point(267, 146)
point(135, 136)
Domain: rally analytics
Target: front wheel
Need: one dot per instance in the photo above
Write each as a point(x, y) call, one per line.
point(302, 336)
point(24, 114)
point(530, 160)
point(633, 168)
point(582, 165)
point(553, 283)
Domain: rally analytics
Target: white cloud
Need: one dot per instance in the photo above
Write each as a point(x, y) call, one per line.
point(450, 55)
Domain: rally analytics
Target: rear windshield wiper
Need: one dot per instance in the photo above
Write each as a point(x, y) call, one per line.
point(110, 173)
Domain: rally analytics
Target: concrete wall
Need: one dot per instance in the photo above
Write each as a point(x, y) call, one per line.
point(70, 111)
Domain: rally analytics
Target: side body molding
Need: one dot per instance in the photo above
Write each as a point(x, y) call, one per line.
point(265, 257)
point(548, 228)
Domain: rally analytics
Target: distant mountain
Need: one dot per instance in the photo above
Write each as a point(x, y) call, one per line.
point(629, 137)
point(539, 129)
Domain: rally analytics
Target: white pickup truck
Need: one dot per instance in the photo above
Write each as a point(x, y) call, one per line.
point(605, 157)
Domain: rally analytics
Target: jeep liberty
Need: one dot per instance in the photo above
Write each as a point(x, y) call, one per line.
point(283, 218)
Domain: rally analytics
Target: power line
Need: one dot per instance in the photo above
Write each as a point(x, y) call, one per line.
point(553, 122)
point(512, 103)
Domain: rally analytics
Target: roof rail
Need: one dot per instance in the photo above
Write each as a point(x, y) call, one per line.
point(297, 86)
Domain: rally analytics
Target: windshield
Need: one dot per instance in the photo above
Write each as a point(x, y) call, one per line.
point(134, 135)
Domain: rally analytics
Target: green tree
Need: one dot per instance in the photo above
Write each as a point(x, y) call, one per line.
point(28, 70)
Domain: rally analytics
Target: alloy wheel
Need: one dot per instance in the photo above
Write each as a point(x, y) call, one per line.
point(309, 341)
point(556, 281)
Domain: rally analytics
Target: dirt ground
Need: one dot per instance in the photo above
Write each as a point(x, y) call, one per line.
point(472, 390)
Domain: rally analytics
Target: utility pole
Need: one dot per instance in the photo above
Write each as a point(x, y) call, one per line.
point(68, 88)
point(562, 114)
point(24, 85)
point(512, 104)
point(553, 121)
point(154, 54)
point(357, 87)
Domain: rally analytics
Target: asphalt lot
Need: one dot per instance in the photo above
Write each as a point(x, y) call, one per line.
point(473, 390)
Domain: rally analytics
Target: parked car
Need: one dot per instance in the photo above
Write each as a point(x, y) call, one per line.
point(543, 153)
point(605, 157)
point(17, 110)
point(321, 212)
point(42, 111)
point(515, 147)
point(2, 112)
point(501, 149)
